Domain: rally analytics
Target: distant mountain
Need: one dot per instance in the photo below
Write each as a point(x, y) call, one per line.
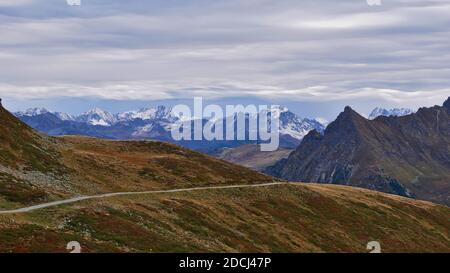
point(274, 217)
point(295, 126)
point(34, 112)
point(397, 112)
point(97, 116)
point(153, 123)
point(292, 131)
point(407, 155)
point(158, 113)
point(64, 116)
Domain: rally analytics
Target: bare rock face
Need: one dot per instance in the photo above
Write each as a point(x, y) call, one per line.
point(408, 156)
point(447, 104)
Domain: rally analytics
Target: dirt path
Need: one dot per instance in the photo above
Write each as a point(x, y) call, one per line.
point(105, 195)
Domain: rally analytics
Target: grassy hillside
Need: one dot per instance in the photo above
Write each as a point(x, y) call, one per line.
point(251, 156)
point(105, 166)
point(35, 168)
point(281, 218)
point(21, 147)
point(93, 166)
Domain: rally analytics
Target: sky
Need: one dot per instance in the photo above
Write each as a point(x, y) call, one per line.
point(314, 56)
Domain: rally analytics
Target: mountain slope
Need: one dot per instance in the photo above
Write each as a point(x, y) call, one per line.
point(252, 157)
point(282, 218)
point(407, 155)
point(35, 168)
point(278, 218)
point(22, 146)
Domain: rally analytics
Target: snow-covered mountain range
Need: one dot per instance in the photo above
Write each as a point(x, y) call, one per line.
point(32, 112)
point(149, 123)
point(397, 112)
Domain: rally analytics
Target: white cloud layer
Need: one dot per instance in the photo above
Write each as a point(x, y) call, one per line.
point(315, 50)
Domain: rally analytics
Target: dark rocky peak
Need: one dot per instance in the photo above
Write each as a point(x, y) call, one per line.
point(348, 109)
point(314, 134)
point(347, 121)
point(311, 140)
point(349, 115)
point(447, 104)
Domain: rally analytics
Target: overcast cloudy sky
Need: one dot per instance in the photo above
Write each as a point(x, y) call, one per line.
point(313, 56)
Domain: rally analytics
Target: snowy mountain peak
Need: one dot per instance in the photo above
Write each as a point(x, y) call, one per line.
point(95, 111)
point(97, 116)
point(64, 116)
point(297, 127)
point(291, 124)
point(163, 112)
point(322, 121)
point(390, 112)
point(275, 111)
point(32, 112)
point(160, 112)
point(279, 109)
point(147, 121)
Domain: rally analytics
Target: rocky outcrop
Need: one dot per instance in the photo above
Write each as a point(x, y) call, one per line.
point(408, 156)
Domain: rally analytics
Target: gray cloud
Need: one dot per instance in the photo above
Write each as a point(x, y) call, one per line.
point(318, 50)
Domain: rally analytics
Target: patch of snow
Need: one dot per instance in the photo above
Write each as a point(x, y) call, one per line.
point(64, 116)
point(97, 116)
point(397, 112)
point(32, 112)
point(322, 121)
point(143, 130)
